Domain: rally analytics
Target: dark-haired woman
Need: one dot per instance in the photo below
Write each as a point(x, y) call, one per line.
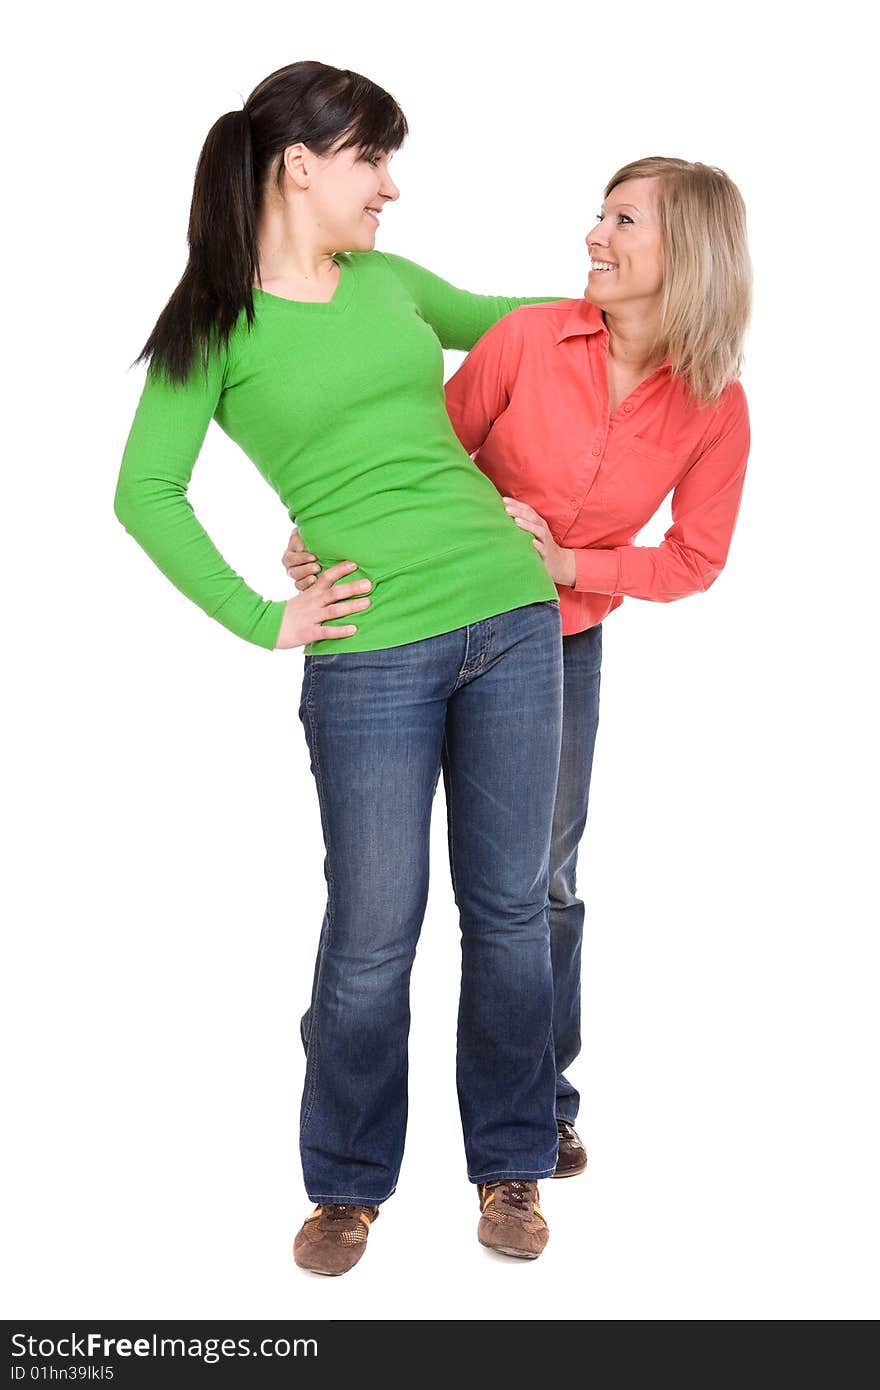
point(322, 359)
point(586, 414)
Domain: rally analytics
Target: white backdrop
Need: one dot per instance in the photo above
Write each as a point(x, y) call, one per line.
point(164, 882)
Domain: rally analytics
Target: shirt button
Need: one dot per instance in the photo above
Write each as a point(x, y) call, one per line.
point(596, 450)
point(627, 409)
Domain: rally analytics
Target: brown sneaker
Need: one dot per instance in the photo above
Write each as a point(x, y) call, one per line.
point(572, 1154)
point(511, 1220)
point(333, 1238)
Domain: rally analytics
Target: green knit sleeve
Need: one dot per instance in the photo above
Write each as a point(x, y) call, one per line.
point(458, 317)
point(151, 501)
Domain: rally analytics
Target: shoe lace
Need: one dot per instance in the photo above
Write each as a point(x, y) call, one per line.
point(516, 1193)
point(340, 1211)
point(344, 1211)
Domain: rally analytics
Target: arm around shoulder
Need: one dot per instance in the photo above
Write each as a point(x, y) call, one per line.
point(458, 317)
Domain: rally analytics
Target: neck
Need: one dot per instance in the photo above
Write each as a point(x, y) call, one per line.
point(630, 336)
point(291, 249)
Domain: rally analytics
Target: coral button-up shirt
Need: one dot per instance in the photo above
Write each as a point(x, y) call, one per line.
point(530, 402)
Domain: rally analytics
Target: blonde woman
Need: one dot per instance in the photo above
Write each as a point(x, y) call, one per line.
point(586, 414)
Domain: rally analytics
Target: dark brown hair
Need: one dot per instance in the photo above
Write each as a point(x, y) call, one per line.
point(326, 108)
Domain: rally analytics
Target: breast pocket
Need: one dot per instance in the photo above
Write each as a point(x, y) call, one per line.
point(634, 486)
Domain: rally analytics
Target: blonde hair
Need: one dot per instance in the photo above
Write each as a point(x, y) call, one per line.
point(707, 274)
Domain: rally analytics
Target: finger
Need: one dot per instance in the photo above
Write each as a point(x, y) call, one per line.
point(298, 572)
point(526, 525)
point(343, 591)
point(296, 557)
point(526, 514)
point(296, 541)
point(303, 584)
point(344, 607)
point(337, 571)
point(347, 630)
point(514, 508)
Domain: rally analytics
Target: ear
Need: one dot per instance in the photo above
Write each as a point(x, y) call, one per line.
point(298, 161)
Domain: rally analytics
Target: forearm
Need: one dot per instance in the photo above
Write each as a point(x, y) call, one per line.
point(159, 516)
point(659, 573)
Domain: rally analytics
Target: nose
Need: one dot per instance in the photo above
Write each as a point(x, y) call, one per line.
point(389, 189)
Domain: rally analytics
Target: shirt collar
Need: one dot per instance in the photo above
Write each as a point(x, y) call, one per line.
point(583, 318)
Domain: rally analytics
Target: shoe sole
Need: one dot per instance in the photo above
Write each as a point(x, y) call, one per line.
point(572, 1172)
point(514, 1254)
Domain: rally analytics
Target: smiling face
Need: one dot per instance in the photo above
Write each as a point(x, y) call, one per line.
point(347, 192)
point(627, 239)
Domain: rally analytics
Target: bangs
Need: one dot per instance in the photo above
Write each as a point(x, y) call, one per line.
point(378, 127)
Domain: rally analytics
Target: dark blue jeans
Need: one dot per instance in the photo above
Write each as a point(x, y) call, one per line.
point(582, 661)
point(482, 704)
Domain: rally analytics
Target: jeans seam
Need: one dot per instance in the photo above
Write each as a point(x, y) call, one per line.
point(464, 660)
point(450, 815)
point(314, 1051)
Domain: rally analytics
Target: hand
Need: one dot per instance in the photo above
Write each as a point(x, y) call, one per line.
point(304, 615)
point(299, 563)
point(558, 562)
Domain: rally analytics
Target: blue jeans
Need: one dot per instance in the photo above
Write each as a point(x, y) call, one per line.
point(582, 661)
point(482, 704)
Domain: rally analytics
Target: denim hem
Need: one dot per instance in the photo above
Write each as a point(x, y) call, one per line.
point(514, 1175)
point(567, 1119)
point(322, 1199)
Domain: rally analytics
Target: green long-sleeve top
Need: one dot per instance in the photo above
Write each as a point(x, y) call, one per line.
point(341, 407)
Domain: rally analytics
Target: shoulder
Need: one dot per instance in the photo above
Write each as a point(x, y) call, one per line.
point(732, 399)
point(393, 271)
point(380, 262)
point(542, 322)
point(554, 318)
point(731, 408)
point(551, 310)
point(724, 423)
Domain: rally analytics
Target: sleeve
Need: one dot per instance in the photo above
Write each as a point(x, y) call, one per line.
point(458, 317)
point(480, 390)
point(705, 506)
point(151, 501)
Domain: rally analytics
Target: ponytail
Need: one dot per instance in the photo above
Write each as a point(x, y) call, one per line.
point(217, 283)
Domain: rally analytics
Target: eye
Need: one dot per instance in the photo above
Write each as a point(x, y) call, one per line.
point(374, 159)
point(620, 214)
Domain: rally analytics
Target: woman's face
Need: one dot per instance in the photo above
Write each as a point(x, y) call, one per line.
point(347, 193)
point(627, 236)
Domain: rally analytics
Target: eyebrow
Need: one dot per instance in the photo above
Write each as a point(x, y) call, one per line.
point(624, 205)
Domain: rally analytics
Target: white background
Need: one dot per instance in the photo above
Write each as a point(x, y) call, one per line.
point(164, 882)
